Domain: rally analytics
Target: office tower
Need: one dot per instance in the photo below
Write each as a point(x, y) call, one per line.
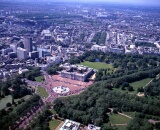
point(28, 44)
point(14, 47)
point(21, 53)
point(34, 54)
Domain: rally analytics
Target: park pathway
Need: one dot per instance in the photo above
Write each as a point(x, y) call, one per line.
point(124, 115)
point(119, 125)
point(59, 126)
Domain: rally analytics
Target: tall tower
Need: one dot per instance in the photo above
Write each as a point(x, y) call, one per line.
point(21, 53)
point(28, 44)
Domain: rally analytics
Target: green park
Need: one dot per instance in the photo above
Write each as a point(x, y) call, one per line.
point(53, 124)
point(42, 92)
point(4, 101)
point(97, 65)
point(39, 78)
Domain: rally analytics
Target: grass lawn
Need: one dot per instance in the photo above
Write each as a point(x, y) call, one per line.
point(25, 98)
point(53, 111)
point(118, 119)
point(42, 92)
point(53, 124)
point(39, 78)
point(121, 127)
point(131, 114)
point(135, 86)
point(139, 84)
point(97, 65)
point(4, 101)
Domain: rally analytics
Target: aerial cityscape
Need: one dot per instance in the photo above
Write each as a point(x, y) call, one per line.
point(79, 65)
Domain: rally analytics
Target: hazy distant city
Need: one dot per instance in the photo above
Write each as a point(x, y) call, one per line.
point(79, 66)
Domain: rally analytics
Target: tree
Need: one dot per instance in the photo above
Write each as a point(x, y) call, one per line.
point(157, 125)
point(98, 121)
point(130, 88)
point(13, 101)
point(8, 104)
point(3, 112)
point(125, 84)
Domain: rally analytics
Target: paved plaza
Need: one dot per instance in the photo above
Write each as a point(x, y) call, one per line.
point(56, 81)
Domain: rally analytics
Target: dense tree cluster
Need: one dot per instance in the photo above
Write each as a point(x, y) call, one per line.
point(117, 82)
point(99, 38)
point(32, 73)
point(53, 69)
point(40, 122)
point(14, 86)
point(9, 119)
point(139, 123)
point(123, 64)
point(92, 105)
point(123, 61)
point(153, 89)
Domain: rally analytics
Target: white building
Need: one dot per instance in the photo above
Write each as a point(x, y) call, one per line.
point(47, 35)
point(157, 44)
point(76, 72)
point(99, 48)
point(70, 125)
point(21, 53)
point(22, 70)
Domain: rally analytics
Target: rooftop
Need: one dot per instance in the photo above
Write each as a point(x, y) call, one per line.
point(70, 125)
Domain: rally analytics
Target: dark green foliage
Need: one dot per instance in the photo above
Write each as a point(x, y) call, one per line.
point(74, 60)
point(157, 125)
point(139, 123)
point(32, 73)
point(92, 105)
point(41, 122)
point(7, 120)
point(99, 38)
point(53, 69)
point(18, 86)
point(124, 64)
point(8, 104)
point(153, 89)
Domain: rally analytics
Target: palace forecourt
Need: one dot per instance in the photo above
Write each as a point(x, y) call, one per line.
point(60, 85)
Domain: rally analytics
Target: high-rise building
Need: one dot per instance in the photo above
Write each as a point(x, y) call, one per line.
point(21, 53)
point(14, 47)
point(28, 44)
point(34, 54)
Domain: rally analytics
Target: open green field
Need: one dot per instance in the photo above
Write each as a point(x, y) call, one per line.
point(25, 98)
point(118, 119)
point(4, 101)
point(139, 84)
point(53, 111)
point(97, 65)
point(121, 127)
point(135, 86)
point(42, 92)
point(131, 114)
point(39, 78)
point(53, 124)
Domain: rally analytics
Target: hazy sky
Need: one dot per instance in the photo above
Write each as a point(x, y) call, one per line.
point(143, 2)
point(139, 2)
